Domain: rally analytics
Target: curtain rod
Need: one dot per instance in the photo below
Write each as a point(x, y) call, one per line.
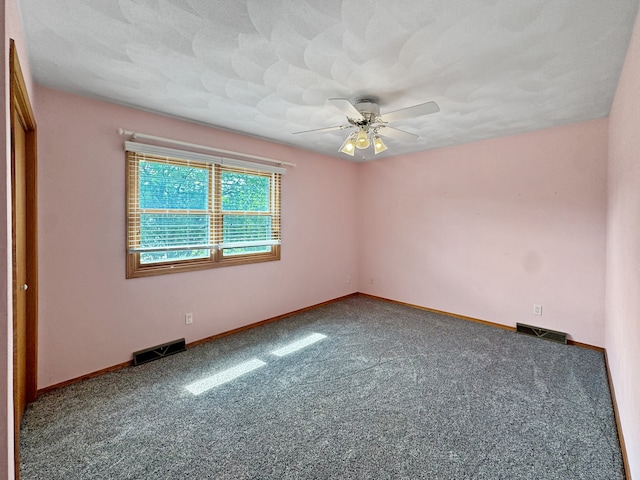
point(135, 135)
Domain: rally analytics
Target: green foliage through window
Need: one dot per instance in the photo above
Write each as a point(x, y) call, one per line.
point(245, 192)
point(175, 187)
point(161, 230)
point(242, 228)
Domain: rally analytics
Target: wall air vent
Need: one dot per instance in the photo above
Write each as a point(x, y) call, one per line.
point(159, 351)
point(552, 335)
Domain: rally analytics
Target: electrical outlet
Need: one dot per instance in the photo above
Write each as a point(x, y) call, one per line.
point(537, 309)
point(348, 279)
point(371, 281)
point(188, 318)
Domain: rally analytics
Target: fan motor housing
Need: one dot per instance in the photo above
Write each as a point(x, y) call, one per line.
point(367, 106)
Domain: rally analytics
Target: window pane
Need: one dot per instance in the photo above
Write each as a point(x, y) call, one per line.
point(244, 228)
point(245, 250)
point(245, 192)
point(168, 230)
point(164, 186)
point(175, 255)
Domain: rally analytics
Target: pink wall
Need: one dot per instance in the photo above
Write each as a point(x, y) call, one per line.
point(490, 228)
point(623, 250)
point(91, 317)
point(11, 29)
point(484, 230)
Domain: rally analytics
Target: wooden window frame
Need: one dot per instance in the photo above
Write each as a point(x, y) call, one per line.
point(136, 269)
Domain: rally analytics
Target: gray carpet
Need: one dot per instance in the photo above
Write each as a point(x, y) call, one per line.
point(391, 392)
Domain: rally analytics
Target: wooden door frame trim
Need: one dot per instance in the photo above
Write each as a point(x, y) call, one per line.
point(19, 102)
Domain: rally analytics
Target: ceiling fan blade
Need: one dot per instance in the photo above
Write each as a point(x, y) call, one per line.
point(326, 129)
point(396, 134)
point(348, 108)
point(410, 112)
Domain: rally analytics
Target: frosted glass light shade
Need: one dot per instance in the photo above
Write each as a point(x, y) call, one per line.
point(349, 145)
point(378, 145)
point(363, 139)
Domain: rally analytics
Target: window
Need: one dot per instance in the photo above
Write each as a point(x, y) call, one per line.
point(186, 214)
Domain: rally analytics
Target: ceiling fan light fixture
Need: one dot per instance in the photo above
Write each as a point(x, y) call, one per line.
point(362, 141)
point(365, 118)
point(378, 145)
point(349, 145)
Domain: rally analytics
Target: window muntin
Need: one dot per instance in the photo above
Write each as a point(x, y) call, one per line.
point(187, 215)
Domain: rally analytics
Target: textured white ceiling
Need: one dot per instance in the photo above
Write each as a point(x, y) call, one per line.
point(267, 67)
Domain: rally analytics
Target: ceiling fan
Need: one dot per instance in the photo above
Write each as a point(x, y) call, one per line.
point(370, 125)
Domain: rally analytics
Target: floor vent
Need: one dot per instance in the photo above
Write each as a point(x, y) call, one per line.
point(159, 351)
point(552, 335)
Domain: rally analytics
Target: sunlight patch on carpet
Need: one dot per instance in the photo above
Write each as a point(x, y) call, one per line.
point(225, 376)
point(299, 345)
